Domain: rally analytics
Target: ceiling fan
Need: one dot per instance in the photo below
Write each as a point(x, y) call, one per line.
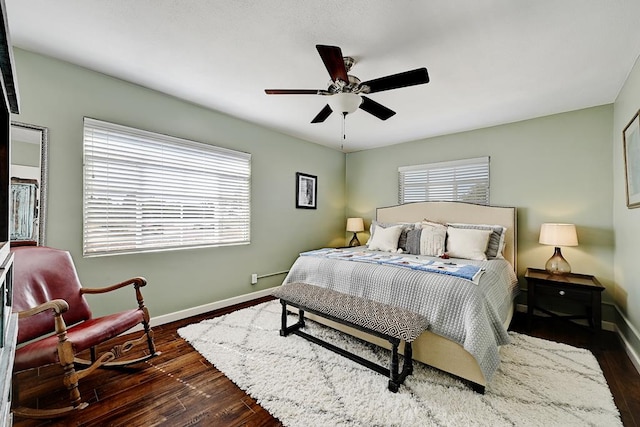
point(346, 92)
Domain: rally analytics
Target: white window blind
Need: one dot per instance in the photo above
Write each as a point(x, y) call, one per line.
point(147, 192)
point(458, 180)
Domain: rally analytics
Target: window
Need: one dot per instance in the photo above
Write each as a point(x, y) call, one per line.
point(147, 192)
point(459, 180)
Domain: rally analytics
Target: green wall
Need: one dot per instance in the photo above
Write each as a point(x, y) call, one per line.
point(58, 95)
point(566, 168)
point(553, 169)
point(626, 222)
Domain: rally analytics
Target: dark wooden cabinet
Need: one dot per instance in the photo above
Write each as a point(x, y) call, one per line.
point(578, 289)
point(9, 334)
point(9, 104)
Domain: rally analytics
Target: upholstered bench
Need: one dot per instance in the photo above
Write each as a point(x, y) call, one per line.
point(393, 324)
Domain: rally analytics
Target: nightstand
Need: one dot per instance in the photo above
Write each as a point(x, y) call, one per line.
point(577, 288)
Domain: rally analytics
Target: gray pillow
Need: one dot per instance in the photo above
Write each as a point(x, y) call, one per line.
point(413, 241)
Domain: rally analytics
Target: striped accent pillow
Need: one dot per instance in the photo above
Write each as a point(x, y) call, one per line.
point(432, 239)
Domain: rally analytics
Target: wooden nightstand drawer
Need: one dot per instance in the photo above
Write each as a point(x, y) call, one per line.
point(561, 292)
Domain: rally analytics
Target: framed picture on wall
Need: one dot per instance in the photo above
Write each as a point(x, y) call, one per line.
point(306, 191)
point(631, 139)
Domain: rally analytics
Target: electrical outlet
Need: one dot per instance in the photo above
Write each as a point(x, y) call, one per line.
point(254, 278)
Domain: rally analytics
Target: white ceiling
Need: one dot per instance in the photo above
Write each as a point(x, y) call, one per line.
point(490, 61)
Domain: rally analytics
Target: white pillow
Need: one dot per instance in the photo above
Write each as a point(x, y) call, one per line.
point(385, 239)
point(467, 243)
point(402, 240)
point(496, 239)
point(432, 239)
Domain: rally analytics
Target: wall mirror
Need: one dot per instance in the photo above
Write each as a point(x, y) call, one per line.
point(28, 213)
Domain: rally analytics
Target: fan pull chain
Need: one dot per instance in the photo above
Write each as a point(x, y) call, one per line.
point(344, 134)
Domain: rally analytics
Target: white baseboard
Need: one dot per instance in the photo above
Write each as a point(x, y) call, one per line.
point(205, 308)
point(628, 348)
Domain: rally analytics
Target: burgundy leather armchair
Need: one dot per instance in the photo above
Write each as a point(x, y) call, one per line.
point(55, 323)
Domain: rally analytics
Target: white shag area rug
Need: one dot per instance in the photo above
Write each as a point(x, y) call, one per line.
point(539, 382)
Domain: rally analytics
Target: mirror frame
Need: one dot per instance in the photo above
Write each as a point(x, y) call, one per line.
point(44, 173)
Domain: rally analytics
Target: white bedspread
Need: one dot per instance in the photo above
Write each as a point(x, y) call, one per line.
point(467, 313)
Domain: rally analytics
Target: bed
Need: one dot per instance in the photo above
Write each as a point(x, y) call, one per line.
point(468, 320)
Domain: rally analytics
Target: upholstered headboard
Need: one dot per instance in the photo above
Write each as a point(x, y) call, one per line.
point(458, 212)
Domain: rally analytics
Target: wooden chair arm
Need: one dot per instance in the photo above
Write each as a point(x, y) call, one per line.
point(137, 282)
point(59, 306)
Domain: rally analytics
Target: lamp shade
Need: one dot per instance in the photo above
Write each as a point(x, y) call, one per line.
point(344, 102)
point(355, 225)
point(558, 235)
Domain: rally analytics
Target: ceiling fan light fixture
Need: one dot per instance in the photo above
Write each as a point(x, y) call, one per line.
point(345, 103)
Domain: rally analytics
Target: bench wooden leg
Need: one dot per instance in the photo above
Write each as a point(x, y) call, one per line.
point(395, 378)
point(394, 382)
point(283, 319)
point(407, 366)
point(286, 330)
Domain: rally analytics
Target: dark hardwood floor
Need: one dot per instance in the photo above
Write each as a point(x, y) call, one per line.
point(620, 373)
point(180, 388)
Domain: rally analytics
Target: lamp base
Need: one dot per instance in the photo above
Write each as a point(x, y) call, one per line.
point(354, 241)
point(557, 264)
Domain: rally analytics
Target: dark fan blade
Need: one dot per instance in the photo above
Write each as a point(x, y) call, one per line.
point(378, 110)
point(332, 58)
point(322, 115)
point(292, 91)
point(395, 81)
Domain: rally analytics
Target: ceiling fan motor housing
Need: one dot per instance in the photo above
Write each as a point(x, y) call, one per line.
point(352, 86)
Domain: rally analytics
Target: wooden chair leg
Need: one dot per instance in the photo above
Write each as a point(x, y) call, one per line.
point(150, 343)
point(145, 322)
point(70, 381)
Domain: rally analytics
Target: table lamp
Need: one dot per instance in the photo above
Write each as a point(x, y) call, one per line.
point(558, 235)
point(355, 225)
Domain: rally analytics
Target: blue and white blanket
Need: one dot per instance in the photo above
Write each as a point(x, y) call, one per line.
point(465, 271)
point(471, 315)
